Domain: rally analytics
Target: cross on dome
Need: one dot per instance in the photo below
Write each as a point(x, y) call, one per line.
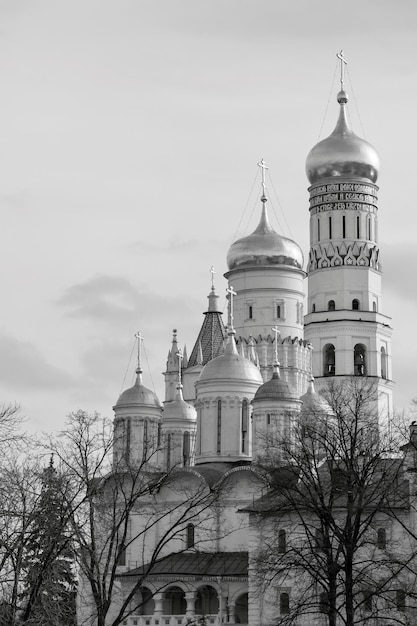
point(343, 62)
point(139, 337)
point(276, 332)
point(230, 291)
point(263, 167)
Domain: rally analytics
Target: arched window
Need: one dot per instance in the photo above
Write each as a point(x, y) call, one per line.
point(284, 603)
point(219, 426)
point(355, 304)
point(359, 360)
point(329, 360)
point(186, 448)
point(282, 541)
point(145, 439)
point(169, 451)
point(318, 229)
point(330, 227)
point(382, 538)
point(190, 536)
point(319, 539)
point(278, 310)
point(383, 363)
point(344, 226)
point(324, 602)
point(268, 419)
point(207, 601)
point(374, 307)
point(250, 312)
point(400, 599)
point(127, 439)
point(331, 305)
point(313, 309)
point(367, 601)
point(174, 602)
point(358, 227)
point(143, 602)
point(241, 609)
point(244, 422)
point(122, 556)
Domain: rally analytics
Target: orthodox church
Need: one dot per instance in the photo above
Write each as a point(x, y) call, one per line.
point(250, 376)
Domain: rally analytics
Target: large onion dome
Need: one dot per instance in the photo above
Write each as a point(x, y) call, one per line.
point(231, 366)
point(138, 395)
point(275, 389)
point(264, 247)
point(178, 410)
point(342, 154)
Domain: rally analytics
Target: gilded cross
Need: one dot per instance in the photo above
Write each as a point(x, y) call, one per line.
point(231, 292)
point(139, 337)
point(276, 332)
point(212, 272)
point(343, 62)
point(263, 167)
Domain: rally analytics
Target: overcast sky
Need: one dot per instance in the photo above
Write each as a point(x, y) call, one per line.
point(130, 131)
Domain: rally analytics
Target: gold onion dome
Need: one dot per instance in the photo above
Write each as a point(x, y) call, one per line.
point(342, 154)
point(231, 366)
point(275, 389)
point(138, 395)
point(264, 247)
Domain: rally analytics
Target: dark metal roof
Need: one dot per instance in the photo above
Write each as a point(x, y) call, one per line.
point(196, 564)
point(211, 337)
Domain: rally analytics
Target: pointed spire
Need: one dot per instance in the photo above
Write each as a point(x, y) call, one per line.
point(310, 388)
point(230, 347)
point(172, 354)
point(184, 357)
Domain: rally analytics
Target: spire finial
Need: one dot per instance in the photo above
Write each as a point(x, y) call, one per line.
point(343, 62)
point(276, 332)
point(139, 337)
point(263, 167)
point(212, 272)
point(231, 292)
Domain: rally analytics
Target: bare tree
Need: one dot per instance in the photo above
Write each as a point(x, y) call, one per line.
point(338, 526)
point(120, 509)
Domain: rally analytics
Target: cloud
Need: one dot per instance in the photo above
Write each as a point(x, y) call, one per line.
point(23, 366)
point(101, 298)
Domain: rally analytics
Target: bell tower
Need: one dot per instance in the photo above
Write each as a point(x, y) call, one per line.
point(344, 323)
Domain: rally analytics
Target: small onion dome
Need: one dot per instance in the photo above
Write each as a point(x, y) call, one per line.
point(264, 247)
point(313, 403)
point(179, 410)
point(138, 395)
point(231, 366)
point(275, 389)
point(342, 153)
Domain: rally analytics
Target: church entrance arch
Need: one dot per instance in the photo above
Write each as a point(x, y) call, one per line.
point(207, 601)
point(241, 609)
point(174, 601)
